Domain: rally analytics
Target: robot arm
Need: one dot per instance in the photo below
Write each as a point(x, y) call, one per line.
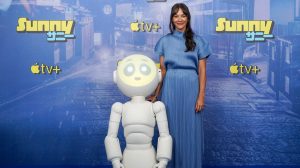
point(164, 145)
point(112, 144)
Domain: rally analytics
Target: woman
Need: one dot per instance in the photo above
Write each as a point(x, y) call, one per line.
point(183, 63)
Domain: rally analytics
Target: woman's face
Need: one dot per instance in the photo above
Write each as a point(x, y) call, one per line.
point(180, 20)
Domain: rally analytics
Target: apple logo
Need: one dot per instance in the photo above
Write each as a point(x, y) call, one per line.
point(234, 69)
point(35, 69)
point(134, 26)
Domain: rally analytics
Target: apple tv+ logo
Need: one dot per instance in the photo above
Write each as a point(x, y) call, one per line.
point(243, 69)
point(143, 27)
point(44, 69)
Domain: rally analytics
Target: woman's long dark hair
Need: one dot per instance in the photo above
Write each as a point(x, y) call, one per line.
point(188, 34)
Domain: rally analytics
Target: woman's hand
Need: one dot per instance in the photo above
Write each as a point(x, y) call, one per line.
point(199, 104)
point(152, 98)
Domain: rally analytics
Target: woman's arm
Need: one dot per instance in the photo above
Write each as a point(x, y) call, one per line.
point(163, 73)
point(202, 85)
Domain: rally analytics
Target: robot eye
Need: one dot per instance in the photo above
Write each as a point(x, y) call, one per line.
point(129, 69)
point(145, 69)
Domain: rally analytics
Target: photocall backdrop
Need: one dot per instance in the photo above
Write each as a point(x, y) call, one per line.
point(57, 84)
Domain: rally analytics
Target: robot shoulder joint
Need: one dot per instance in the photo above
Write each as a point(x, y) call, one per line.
point(117, 107)
point(158, 106)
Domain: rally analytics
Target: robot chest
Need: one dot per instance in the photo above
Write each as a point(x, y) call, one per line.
point(138, 114)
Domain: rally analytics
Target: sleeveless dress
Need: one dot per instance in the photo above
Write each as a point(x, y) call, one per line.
point(179, 94)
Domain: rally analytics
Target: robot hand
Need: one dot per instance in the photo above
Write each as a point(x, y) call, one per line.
point(117, 163)
point(161, 164)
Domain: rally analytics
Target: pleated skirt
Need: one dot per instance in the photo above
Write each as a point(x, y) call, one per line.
point(179, 94)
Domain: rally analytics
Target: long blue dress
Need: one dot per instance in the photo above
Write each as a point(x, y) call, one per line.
point(179, 94)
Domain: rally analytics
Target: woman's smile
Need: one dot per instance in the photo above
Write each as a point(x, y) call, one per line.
point(180, 20)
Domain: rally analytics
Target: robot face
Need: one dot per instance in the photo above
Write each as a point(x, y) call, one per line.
point(137, 70)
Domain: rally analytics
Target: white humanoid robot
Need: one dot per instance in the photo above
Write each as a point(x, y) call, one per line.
point(137, 77)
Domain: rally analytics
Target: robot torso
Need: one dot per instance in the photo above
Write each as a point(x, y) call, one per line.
point(138, 121)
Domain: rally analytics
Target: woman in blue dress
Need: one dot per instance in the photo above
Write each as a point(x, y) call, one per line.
point(183, 63)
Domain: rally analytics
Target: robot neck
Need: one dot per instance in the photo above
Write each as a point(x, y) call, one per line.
point(136, 99)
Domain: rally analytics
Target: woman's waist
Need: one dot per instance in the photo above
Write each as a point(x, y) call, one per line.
point(183, 74)
point(187, 71)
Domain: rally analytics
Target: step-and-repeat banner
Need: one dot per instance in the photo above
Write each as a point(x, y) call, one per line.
point(56, 77)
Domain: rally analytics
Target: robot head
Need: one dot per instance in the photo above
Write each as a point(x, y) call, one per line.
point(137, 75)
